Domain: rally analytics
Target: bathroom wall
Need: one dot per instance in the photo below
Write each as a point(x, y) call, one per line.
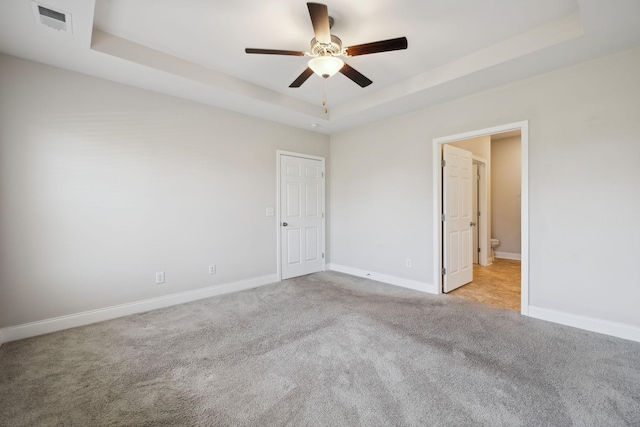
point(506, 195)
point(480, 147)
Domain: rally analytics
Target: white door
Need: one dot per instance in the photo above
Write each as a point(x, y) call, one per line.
point(301, 215)
point(456, 205)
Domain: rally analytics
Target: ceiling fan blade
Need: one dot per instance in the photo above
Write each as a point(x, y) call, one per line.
point(274, 52)
point(375, 47)
point(320, 20)
point(354, 75)
point(302, 78)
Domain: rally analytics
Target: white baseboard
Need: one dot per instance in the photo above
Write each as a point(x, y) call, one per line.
point(55, 324)
point(508, 255)
point(620, 330)
point(392, 280)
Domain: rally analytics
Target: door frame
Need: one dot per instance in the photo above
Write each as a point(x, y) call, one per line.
point(523, 126)
point(483, 206)
point(279, 154)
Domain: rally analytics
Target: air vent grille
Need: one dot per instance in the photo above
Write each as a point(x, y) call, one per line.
point(51, 18)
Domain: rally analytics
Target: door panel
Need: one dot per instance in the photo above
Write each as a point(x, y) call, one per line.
point(292, 196)
point(293, 244)
point(312, 244)
point(457, 210)
point(311, 172)
point(301, 202)
point(312, 200)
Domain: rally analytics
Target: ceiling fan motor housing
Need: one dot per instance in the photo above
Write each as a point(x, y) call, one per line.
point(319, 49)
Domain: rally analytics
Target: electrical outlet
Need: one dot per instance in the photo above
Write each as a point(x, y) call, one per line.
point(212, 269)
point(407, 262)
point(159, 277)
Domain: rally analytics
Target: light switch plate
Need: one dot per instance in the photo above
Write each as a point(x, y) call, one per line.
point(160, 277)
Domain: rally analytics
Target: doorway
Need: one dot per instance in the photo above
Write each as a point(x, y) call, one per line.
point(301, 214)
point(480, 213)
point(439, 245)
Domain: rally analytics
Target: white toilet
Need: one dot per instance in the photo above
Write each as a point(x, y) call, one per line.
point(494, 244)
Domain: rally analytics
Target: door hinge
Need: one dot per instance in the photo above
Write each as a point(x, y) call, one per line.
point(322, 214)
point(443, 163)
point(478, 213)
point(444, 271)
point(322, 174)
point(323, 255)
point(443, 217)
point(478, 250)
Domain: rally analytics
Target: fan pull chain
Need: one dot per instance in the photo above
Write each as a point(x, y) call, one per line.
point(324, 96)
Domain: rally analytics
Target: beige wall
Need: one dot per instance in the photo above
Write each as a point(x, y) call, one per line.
point(584, 146)
point(506, 194)
point(480, 146)
point(102, 185)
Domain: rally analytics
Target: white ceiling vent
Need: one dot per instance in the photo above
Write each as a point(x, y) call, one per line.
point(52, 18)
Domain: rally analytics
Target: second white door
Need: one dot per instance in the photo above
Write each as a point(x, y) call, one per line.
point(301, 215)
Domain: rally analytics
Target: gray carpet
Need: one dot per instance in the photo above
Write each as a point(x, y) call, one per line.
point(326, 349)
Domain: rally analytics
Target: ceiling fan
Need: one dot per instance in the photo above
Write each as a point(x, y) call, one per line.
point(327, 48)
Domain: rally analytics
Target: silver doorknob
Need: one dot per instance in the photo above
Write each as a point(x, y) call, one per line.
point(284, 224)
point(473, 224)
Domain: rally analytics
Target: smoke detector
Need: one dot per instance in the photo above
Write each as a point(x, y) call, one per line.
point(52, 18)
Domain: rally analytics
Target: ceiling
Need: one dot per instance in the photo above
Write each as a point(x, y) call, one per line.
point(194, 49)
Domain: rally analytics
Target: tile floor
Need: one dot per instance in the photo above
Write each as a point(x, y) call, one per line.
point(497, 284)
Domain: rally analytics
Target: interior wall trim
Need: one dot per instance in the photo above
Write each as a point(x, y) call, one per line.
point(508, 255)
point(620, 330)
point(55, 324)
point(391, 280)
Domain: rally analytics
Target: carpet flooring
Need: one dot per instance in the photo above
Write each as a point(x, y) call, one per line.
point(322, 350)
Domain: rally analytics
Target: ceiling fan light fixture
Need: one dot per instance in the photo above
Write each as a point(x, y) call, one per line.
point(326, 66)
